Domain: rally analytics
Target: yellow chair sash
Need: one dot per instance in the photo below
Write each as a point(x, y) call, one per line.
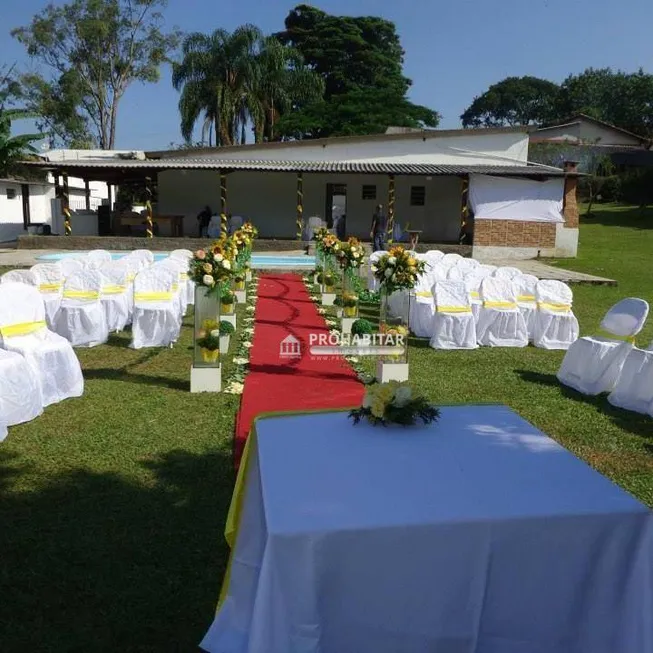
point(453, 309)
point(113, 290)
point(526, 298)
point(423, 293)
point(81, 294)
point(50, 287)
point(21, 329)
point(611, 336)
point(175, 287)
point(153, 296)
point(555, 308)
point(475, 295)
point(130, 278)
point(499, 305)
point(184, 276)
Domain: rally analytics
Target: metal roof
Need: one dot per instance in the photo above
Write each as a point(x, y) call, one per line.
point(360, 167)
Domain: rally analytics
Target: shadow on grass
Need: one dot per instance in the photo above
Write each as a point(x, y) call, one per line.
point(635, 423)
point(93, 562)
point(635, 218)
point(112, 374)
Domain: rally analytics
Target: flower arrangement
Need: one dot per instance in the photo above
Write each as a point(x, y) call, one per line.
point(249, 230)
point(329, 246)
point(329, 281)
point(227, 300)
point(398, 270)
point(350, 305)
point(239, 281)
point(213, 267)
point(361, 327)
point(226, 328)
point(207, 327)
point(209, 345)
point(350, 254)
point(319, 235)
point(394, 403)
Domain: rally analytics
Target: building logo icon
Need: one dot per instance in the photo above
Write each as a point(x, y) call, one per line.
point(290, 347)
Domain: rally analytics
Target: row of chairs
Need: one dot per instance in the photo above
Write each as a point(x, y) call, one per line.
point(86, 299)
point(595, 365)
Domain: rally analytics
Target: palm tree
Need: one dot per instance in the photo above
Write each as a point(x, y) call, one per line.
point(213, 76)
point(281, 82)
point(13, 149)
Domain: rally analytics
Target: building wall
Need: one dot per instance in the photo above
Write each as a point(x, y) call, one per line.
point(593, 133)
point(269, 199)
point(11, 212)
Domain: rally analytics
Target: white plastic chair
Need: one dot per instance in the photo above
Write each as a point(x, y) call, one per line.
point(71, 265)
point(500, 323)
point(19, 276)
point(422, 309)
point(556, 326)
point(507, 273)
point(455, 273)
point(449, 260)
point(453, 322)
point(144, 257)
point(20, 392)
point(467, 266)
point(180, 287)
point(24, 331)
point(117, 295)
point(593, 365)
point(525, 285)
point(97, 258)
point(81, 318)
point(50, 284)
point(634, 389)
point(156, 321)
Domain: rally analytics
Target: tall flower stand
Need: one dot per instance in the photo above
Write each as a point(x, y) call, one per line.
point(228, 313)
point(240, 291)
point(206, 371)
point(394, 367)
point(349, 302)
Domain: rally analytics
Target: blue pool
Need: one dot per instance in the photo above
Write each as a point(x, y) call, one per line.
point(260, 261)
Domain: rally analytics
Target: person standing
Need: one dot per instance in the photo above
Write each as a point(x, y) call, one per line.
point(203, 219)
point(379, 226)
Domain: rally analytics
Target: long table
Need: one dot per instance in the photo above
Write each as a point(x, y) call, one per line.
point(175, 222)
point(478, 534)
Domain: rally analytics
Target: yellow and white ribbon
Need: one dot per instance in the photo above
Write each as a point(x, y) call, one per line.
point(506, 305)
point(21, 329)
point(453, 309)
point(81, 294)
point(113, 290)
point(153, 296)
point(50, 287)
point(554, 307)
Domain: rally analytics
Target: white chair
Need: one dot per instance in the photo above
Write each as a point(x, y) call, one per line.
point(449, 260)
point(3, 430)
point(181, 254)
point(556, 326)
point(156, 321)
point(593, 365)
point(19, 276)
point(144, 257)
point(97, 258)
point(50, 284)
point(235, 223)
point(455, 273)
point(24, 331)
point(180, 270)
point(71, 265)
point(634, 389)
point(185, 256)
point(467, 266)
point(422, 309)
point(473, 285)
point(20, 391)
point(507, 273)
point(215, 227)
point(453, 322)
point(486, 270)
point(525, 285)
point(500, 323)
point(81, 318)
point(434, 255)
point(117, 295)
point(372, 282)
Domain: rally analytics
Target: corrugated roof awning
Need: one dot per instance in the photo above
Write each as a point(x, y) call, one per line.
point(85, 167)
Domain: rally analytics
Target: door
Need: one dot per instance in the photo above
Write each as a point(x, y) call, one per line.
point(27, 218)
point(335, 211)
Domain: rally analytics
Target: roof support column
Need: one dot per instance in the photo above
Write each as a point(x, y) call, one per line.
point(65, 205)
point(224, 223)
point(87, 194)
point(391, 208)
point(300, 205)
point(464, 210)
point(149, 228)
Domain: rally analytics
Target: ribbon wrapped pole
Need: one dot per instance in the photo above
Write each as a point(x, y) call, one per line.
point(300, 205)
point(149, 228)
point(391, 208)
point(224, 225)
point(65, 206)
point(464, 209)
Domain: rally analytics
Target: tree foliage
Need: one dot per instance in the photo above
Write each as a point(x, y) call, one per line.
point(360, 60)
point(14, 149)
point(513, 101)
point(92, 50)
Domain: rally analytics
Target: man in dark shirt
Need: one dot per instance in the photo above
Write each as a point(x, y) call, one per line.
point(379, 226)
point(204, 218)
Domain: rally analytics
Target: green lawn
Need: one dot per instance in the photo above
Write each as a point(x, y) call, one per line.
point(113, 505)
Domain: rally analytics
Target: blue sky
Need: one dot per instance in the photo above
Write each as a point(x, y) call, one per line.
point(454, 48)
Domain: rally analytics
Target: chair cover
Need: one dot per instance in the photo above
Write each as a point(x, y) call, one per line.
point(455, 273)
point(144, 257)
point(181, 254)
point(180, 288)
point(20, 391)
point(449, 260)
point(20, 276)
point(473, 285)
point(486, 270)
point(184, 256)
point(50, 284)
point(156, 321)
point(51, 357)
point(422, 309)
point(556, 326)
point(467, 265)
point(215, 227)
point(634, 389)
point(434, 255)
point(117, 295)
point(81, 318)
point(97, 258)
point(593, 365)
point(71, 265)
point(507, 273)
point(453, 322)
point(500, 323)
point(399, 305)
point(525, 285)
point(3, 430)
point(312, 225)
point(372, 282)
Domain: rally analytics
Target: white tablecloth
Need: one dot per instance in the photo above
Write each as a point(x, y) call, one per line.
point(475, 535)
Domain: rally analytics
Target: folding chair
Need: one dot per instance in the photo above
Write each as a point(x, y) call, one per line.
point(453, 322)
point(556, 326)
point(500, 323)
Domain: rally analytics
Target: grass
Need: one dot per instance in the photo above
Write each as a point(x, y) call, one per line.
point(113, 505)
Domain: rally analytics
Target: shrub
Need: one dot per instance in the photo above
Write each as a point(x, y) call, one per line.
point(227, 297)
point(226, 328)
point(361, 327)
point(209, 341)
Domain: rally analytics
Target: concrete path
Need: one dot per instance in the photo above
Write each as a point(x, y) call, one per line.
point(543, 271)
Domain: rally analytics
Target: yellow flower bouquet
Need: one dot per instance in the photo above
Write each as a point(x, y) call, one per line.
point(394, 403)
point(397, 270)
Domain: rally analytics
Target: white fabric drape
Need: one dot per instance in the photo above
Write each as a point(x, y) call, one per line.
point(454, 326)
point(20, 392)
point(502, 198)
point(500, 322)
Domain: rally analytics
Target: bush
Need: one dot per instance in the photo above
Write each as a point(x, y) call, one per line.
point(361, 327)
point(637, 186)
point(227, 297)
point(226, 328)
point(610, 189)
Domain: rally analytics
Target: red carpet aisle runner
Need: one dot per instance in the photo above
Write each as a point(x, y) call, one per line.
point(274, 383)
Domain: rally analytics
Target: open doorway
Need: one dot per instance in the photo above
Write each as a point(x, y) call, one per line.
point(336, 209)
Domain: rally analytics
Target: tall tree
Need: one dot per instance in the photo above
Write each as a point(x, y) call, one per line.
point(13, 149)
point(513, 101)
point(359, 59)
point(92, 50)
point(215, 77)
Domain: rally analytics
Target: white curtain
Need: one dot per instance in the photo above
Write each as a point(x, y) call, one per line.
point(502, 198)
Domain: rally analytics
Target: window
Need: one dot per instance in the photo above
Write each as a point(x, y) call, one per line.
point(11, 193)
point(369, 192)
point(417, 195)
